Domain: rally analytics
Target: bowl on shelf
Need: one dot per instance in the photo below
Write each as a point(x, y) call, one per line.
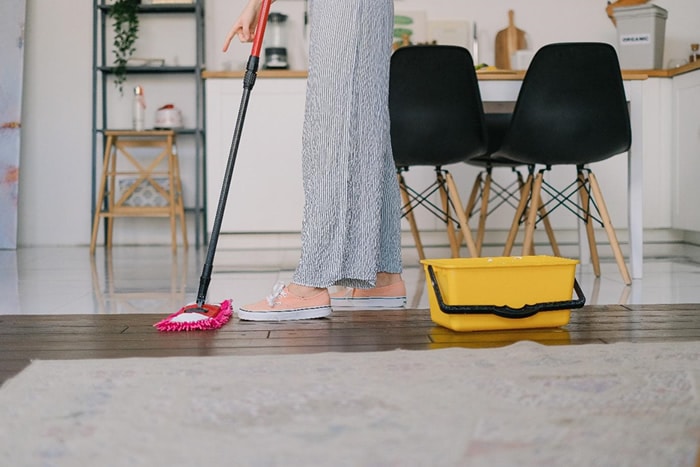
point(133, 61)
point(168, 117)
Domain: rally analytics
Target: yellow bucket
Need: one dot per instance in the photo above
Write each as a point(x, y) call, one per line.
point(509, 292)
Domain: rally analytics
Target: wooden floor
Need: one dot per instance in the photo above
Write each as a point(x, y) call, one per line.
point(45, 337)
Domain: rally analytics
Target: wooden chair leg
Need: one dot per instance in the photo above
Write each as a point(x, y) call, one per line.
point(550, 231)
point(588, 220)
point(483, 212)
point(612, 237)
point(476, 189)
point(177, 188)
point(463, 221)
point(519, 211)
point(95, 228)
point(473, 196)
point(410, 217)
point(101, 193)
point(173, 227)
point(112, 190)
point(531, 220)
point(172, 190)
point(545, 219)
point(445, 197)
point(180, 204)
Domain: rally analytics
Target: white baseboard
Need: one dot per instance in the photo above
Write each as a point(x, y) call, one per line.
point(658, 243)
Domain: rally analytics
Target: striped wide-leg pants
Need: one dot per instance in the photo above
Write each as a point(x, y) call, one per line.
point(351, 222)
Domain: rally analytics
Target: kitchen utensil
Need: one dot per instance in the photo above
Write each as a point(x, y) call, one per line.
point(168, 117)
point(276, 45)
point(508, 41)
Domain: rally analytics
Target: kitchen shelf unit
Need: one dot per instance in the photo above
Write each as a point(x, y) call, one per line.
point(102, 78)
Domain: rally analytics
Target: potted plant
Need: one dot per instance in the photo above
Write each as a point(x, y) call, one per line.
point(124, 14)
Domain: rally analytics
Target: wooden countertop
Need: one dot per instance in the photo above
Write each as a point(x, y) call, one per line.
point(670, 73)
point(483, 74)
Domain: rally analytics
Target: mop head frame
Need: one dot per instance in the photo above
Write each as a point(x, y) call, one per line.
point(188, 320)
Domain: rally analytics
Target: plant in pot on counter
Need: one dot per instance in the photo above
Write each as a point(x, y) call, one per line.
point(124, 14)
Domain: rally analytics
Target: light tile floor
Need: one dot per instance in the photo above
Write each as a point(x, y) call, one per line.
point(152, 280)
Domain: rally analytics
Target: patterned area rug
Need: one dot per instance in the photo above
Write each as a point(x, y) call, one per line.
point(521, 405)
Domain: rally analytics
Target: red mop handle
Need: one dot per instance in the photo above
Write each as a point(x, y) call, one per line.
point(260, 29)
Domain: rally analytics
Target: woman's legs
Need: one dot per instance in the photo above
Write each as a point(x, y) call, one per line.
point(351, 222)
point(351, 225)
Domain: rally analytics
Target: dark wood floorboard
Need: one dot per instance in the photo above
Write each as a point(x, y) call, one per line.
point(24, 338)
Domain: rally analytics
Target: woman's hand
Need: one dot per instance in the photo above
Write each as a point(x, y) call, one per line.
point(244, 28)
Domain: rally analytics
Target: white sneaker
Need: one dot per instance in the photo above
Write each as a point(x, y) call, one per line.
point(389, 296)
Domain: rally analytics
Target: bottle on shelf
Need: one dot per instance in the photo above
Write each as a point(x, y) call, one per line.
point(694, 54)
point(138, 109)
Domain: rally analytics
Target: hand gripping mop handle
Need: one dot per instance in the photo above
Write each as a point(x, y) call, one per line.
point(248, 83)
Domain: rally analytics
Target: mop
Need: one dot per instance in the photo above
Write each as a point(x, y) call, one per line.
point(200, 315)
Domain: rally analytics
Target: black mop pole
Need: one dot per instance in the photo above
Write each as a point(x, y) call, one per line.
point(248, 83)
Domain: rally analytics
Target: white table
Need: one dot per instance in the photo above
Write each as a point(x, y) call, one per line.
point(505, 88)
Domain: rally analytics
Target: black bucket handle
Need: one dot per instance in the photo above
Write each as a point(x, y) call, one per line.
point(506, 311)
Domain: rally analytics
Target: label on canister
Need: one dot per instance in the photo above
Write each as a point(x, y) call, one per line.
point(635, 39)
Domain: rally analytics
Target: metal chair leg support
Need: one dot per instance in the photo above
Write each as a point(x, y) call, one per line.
point(410, 217)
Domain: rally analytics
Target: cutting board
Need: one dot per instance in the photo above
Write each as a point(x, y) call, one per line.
point(509, 40)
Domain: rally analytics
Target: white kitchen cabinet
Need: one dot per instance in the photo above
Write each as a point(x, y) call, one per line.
point(686, 151)
point(266, 192)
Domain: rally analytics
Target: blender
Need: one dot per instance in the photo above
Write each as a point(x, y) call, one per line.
point(276, 46)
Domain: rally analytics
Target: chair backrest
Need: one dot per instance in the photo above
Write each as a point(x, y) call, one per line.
point(436, 112)
point(571, 108)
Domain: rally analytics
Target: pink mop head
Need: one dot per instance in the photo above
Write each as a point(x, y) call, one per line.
point(187, 320)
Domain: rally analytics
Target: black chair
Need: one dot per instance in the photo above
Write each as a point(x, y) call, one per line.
point(487, 194)
point(571, 110)
point(436, 120)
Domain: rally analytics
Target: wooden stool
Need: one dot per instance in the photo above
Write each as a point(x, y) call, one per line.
point(114, 195)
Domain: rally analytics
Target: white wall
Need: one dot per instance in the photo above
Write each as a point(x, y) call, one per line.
point(54, 184)
point(55, 168)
